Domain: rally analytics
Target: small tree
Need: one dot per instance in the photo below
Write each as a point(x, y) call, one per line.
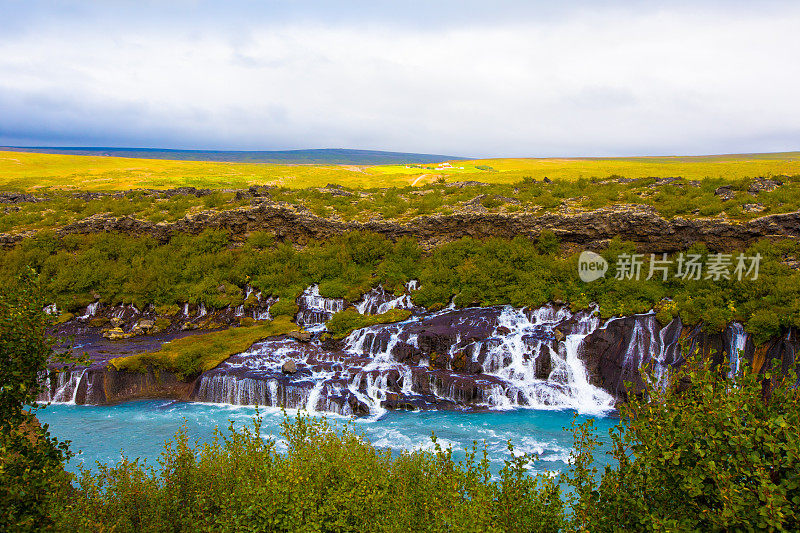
point(706, 453)
point(31, 461)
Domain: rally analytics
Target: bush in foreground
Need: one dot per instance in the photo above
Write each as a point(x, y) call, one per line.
point(706, 453)
point(31, 461)
point(329, 479)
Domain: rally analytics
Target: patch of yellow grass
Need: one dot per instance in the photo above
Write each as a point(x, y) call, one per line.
point(200, 353)
point(29, 171)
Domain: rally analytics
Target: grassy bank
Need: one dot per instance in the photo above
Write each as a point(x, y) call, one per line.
point(199, 353)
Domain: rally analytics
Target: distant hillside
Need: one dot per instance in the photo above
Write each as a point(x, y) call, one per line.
point(325, 156)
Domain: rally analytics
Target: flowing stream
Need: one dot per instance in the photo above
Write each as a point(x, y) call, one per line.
point(139, 429)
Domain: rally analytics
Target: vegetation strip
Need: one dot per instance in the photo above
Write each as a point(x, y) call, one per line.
point(199, 353)
point(208, 269)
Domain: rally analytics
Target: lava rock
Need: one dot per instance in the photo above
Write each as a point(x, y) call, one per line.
point(725, 192)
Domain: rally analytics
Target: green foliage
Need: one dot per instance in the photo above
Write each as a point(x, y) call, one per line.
point(547, 243)
point(208, 269)
point(706, 453)
point(284, 307)
point(329, 479)
point(344, 322)
point(32, 475)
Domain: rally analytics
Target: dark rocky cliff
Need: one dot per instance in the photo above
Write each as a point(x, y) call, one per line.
point(635, 223)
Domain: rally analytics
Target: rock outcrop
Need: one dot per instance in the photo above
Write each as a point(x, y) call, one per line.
point(636, 223)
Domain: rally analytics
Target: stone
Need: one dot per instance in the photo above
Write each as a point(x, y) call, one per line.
point(289, 367)
point(637, 223)
point(116, 334)
point(559, 335)
point(725, 192)
point(302, 336)
point(753, 208)
point(763, 185)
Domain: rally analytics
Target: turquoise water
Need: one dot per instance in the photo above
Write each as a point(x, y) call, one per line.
point(139, 429)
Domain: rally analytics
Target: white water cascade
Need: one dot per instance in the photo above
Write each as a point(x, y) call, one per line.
point(514, 359)
point(736, 349)
point(496, 358)
point(378, 301)
point(315, 309)
point(67, 383)
point(91, 310)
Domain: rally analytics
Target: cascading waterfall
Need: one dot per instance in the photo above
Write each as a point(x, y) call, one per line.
point(515, 354)
point(493, 358)
point(91, 310)
point(474, 358)
point(736, 348)
point(315, 309)
point(67, 384)
point(378, 301)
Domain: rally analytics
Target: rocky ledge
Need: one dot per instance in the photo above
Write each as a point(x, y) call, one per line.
point(636, 223)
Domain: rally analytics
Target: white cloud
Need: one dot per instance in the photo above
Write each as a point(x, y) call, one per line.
point(591, 83)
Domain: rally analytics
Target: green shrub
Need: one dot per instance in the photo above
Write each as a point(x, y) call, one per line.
point(329, 479)
point(284, 307)
point(32, 476)
point(344, 322)
point(706, 453)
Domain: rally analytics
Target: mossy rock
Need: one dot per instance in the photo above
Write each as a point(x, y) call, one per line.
point(168, 310)
point(344, 322)
point(98, 322)
point(63, 317)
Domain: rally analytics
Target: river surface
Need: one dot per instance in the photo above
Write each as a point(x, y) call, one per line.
point(139, 429)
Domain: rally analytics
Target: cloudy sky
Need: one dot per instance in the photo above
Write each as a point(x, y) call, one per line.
point(495, 78)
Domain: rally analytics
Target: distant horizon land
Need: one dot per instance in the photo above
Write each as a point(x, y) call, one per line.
point(351, 156)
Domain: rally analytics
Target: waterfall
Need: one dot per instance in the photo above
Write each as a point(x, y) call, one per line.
point(737, 346)
point(519, 345)
point(67, 383)
point(378, 301)
point(91, 309)
point(232, 390)
point(315, 310)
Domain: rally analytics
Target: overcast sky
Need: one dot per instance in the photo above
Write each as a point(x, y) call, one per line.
point(461, 78)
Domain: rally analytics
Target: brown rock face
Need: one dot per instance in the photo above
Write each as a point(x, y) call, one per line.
point(636, 223)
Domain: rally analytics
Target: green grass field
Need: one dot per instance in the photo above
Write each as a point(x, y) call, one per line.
point(20, 171)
